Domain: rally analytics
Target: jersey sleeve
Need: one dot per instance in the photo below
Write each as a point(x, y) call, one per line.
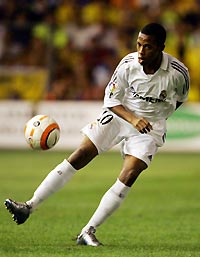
point(183, 82)
point(115, 90)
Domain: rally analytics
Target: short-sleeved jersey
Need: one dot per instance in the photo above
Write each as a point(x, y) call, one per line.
point(153, 96)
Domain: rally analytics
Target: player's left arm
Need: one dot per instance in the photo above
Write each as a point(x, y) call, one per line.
point(178, 104)
point(183, 86)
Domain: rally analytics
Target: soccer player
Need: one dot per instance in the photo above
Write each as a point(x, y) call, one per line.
point(145, 89)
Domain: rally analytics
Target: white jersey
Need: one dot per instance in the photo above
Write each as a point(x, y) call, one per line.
point(152, 96)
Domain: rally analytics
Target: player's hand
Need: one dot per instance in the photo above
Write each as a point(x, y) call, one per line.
point(142, 125)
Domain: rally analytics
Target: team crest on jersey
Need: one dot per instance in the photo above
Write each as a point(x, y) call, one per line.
point(163, 95)
point(112, 86)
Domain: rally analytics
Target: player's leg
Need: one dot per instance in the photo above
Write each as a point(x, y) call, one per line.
point(138, 151)
point(54, 181)
point(59, 176)
point(112, 199)
point(132, 167)
point(98, 138)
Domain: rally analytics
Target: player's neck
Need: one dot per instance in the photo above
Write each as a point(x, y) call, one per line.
point(153, 67)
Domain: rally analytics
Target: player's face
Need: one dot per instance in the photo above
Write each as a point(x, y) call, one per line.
point(148, 51)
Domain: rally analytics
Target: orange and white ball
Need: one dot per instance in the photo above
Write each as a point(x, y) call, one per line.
point(42, 132)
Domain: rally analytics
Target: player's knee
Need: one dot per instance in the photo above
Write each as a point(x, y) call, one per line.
point(129, 176)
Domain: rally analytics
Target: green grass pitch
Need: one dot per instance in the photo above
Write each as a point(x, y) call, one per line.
point(159, 218)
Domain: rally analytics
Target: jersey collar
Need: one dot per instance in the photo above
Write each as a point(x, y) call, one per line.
point(165, 62)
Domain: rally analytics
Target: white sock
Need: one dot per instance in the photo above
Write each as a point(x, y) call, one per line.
point(111, 200)
point(54, 181)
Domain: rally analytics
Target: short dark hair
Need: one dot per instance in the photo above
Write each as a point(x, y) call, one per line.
point(156, 30)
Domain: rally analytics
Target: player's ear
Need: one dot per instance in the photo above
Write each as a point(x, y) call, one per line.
point(162, 47)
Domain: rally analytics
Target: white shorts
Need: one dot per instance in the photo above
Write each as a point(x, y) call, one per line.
point(109, 130)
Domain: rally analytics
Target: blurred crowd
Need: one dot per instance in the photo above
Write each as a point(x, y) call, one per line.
point(80, 42)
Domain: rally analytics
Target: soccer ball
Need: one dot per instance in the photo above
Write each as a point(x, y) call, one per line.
point(42, 132)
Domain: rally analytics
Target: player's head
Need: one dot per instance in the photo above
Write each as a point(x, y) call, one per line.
point(157, 31)
point(151, 43)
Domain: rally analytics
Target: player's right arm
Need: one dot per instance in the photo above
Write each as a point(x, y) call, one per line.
point(114, 96)
point(140, 123)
